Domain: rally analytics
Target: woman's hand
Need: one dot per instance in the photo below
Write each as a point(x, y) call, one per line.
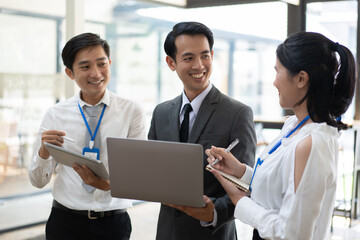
point(227, 162)
point(234, 193)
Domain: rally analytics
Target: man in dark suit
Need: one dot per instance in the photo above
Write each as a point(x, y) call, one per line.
point(214, 119)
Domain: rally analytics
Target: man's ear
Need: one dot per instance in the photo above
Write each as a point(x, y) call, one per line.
point(171, 63)
point(303, 79)
point(69, 73)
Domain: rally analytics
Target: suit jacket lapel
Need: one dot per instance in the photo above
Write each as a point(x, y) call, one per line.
point(205, 111)
point(174, 119)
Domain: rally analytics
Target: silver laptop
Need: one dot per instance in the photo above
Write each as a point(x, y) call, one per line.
point(157, 171)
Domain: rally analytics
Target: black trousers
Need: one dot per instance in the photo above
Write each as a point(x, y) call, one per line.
point(256, 235)
point(67, 225)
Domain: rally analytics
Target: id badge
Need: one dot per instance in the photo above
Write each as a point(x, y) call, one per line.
point(93, 153)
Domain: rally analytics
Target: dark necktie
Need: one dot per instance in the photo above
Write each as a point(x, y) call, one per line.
point(184, 129)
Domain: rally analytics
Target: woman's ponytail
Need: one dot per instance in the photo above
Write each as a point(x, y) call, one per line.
point(344, 84)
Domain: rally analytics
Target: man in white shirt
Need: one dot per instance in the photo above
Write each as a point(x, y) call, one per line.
point(83, 207)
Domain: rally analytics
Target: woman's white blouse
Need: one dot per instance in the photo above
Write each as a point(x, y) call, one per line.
point(274, 208)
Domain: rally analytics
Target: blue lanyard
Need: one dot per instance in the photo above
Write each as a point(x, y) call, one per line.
point(276, 146)
point(88, 127)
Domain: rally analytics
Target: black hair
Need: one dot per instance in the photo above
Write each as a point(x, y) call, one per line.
point(331, 82)
point(189, 28)
point(75, 44)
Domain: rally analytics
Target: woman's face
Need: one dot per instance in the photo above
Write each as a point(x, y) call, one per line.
point(291, 91)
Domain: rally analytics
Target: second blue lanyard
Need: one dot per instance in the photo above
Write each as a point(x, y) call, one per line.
point(276, 146)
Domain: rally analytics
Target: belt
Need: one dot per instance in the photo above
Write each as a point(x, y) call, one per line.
point(88, 213)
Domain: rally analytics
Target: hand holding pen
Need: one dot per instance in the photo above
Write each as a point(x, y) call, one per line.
point(65, 137)
point(54, 137)
point(231, 146)
point(229, 163)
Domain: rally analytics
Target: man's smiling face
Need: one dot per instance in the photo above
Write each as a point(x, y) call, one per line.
point(91, 72)
point(193, 63)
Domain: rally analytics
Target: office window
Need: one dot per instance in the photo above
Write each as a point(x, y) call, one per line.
point(254, 76)
point(27, 45)
point(251, 60)
point(136, 65)
point(337, 20)
point(29, 84)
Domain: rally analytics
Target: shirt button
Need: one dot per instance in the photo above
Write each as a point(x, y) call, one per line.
point(177, 213)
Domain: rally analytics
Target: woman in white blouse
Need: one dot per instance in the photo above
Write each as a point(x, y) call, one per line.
point(293, 182)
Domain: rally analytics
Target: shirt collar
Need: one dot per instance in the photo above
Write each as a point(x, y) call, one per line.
point(105, 99)
point(196, 103)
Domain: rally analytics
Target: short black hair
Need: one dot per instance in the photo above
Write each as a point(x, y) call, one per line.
point(189, 28)
point(75, 44)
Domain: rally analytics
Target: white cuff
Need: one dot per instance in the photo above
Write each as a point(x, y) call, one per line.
point(213, 223)
point(247, 175)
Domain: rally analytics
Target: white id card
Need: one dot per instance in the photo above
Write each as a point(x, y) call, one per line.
point(93, 153)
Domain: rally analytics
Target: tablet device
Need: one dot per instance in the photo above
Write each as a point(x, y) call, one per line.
point(68, 158)
point(157, 171)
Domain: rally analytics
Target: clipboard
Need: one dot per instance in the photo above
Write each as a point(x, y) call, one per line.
point(68, 158)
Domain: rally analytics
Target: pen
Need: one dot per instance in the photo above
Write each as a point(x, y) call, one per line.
point(67, 138)
point(231, 146)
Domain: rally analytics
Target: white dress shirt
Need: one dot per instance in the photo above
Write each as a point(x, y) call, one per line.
point(122, 118)
point(274, 208)
point(195, 104)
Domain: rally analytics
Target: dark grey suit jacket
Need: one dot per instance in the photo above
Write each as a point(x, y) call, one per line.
point(219, 121)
